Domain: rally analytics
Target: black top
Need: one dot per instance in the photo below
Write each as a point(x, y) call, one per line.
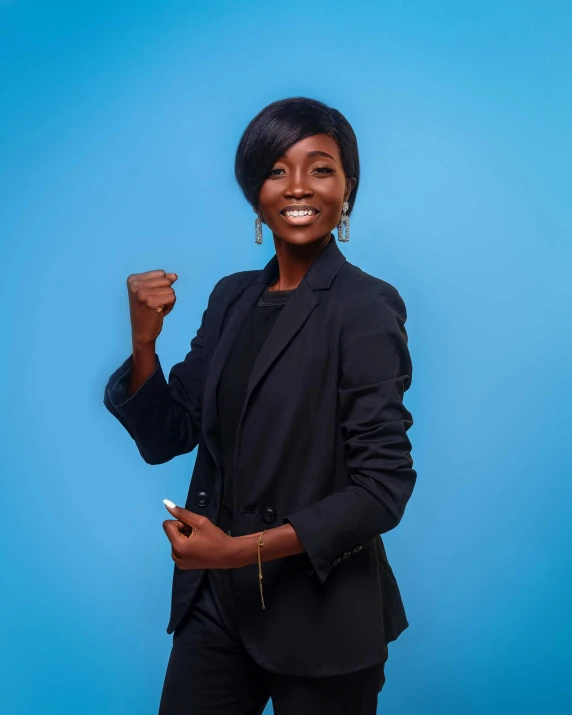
point(231, 390)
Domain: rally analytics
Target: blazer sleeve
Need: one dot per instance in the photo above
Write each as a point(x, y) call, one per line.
point(163, 418)
point(376, 371)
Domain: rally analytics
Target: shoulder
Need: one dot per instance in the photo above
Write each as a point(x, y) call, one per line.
point(360, 293)
point(231, 283)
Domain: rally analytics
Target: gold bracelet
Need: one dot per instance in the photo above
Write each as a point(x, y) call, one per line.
point(260, 543)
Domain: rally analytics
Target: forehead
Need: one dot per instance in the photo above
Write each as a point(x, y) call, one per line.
point(316, 142)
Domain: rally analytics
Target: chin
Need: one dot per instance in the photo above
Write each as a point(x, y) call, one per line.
point(300, 236)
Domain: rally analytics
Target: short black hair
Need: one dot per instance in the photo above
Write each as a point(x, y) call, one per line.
point(281, 124)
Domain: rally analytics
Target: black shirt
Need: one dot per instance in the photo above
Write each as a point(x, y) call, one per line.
point(231, 390)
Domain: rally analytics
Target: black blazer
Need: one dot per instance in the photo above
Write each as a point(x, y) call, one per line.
point(321, 444)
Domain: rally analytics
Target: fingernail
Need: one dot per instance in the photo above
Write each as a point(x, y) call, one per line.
point(169, 503)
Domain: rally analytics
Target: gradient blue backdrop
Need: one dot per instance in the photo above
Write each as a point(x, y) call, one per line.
point(118, 127)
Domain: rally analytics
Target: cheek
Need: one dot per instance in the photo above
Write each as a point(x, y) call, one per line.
point(269, 194)
point(331, 201)
point(331, 191)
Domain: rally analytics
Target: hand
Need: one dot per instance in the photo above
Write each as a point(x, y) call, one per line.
point(151, 298)
point(204, 546)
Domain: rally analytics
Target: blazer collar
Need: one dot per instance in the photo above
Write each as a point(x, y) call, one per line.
point(319, 275)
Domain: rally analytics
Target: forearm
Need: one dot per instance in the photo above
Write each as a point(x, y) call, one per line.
point(144, 364)
point(279, 542)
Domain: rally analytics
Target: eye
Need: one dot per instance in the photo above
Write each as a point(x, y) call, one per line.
point(324, 170)
point(321, 170)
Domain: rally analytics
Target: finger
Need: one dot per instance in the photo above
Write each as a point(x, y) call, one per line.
point(182, 563)
point(144, 293)
point(164, 282)
point(186, 530)
point(173, 534)
point(154, 281)
point(161, 299)
point(145, 275)
point(184, 515)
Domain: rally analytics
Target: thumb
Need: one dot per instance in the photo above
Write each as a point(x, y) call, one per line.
point(172, 277)
point(187, 517)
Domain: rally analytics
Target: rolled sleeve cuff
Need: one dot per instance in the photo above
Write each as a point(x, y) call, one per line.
point(152, 390)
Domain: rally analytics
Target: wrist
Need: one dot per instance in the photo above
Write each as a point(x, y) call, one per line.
point(244, 550)
point(143, 346)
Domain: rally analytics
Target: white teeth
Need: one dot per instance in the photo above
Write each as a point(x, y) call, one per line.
point(306, 212)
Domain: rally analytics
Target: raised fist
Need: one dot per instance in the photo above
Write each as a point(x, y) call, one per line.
point(151, 298)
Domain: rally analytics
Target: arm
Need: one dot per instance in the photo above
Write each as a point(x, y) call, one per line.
point(279, 542)
point(376, 370)
point(163, 418)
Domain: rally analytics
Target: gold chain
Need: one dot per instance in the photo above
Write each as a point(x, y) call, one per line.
point(261, 543)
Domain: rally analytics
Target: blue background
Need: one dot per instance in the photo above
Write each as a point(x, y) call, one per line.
point(118, 127)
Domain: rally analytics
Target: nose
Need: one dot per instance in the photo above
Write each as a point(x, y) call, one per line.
point(298, 186)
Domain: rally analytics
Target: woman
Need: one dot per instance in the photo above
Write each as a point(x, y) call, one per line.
point(293, 392)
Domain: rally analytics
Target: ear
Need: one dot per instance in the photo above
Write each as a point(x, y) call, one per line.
point(350, 183)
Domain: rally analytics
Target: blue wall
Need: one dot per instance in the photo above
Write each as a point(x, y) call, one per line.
point(118, 127)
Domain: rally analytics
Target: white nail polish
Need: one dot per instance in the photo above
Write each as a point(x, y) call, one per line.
point(168, 502)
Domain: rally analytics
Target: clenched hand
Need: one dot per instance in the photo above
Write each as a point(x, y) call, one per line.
point(202, 546)
point(151, 298)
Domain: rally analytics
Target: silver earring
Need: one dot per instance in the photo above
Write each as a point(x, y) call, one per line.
point(257, 228)
point(345, 219)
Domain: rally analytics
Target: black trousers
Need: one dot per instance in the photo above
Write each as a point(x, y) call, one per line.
point(210, 671)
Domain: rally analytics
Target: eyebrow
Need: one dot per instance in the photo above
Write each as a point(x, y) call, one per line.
point(317, 153)
point(320, 153)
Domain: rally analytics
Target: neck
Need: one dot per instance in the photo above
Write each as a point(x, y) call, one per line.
point(294, 260)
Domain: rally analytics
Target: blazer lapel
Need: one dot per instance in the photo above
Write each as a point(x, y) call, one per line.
point(291, 318)
point(238, 313)
point(289, 321)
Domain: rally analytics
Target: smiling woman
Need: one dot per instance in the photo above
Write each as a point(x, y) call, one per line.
point(316, 187)
point(298, 165)
point(293, 392)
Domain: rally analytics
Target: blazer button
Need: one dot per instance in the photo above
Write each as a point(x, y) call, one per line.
point(357, 548)
point(346, 554)
point(269, 515)
point(335, 562)
point(202, 499)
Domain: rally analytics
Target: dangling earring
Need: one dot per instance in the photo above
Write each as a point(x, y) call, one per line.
point(257, 227)
point(345, 219)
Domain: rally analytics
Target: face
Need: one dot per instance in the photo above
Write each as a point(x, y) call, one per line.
point(309, 178)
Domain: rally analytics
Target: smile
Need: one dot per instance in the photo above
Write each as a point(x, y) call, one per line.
point(307, 212)
point(299, 217)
